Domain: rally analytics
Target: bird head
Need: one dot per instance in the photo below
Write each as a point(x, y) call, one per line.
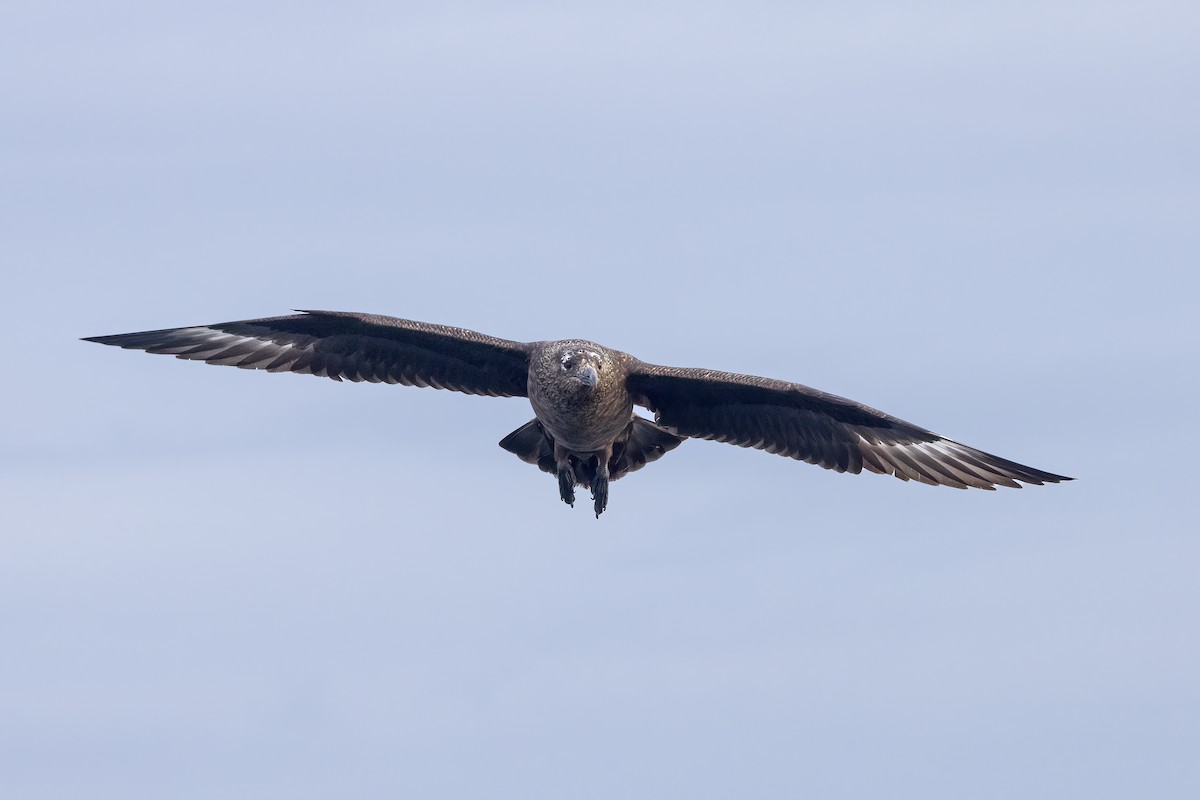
point(581, 364)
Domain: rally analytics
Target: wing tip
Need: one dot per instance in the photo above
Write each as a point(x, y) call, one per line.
point(114, 339)
point(1048, 477)
point(1023, 481)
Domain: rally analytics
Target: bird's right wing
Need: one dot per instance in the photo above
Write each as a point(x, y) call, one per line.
point(793, 420)
point(347, 345)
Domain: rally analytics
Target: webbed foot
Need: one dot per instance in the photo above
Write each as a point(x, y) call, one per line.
point(600, 493)
point(566, 485)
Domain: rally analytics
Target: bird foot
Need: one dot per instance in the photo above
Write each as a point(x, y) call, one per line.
point(600, 494)
point(566, 485)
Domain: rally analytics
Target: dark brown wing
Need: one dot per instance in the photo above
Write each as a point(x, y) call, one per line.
point(356, 347)
point(823, 429)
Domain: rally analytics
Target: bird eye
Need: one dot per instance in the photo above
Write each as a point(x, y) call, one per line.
point(567, 362)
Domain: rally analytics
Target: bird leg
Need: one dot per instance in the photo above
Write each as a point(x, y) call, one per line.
point(566, 482)
point(600, 488)
point(600, 481)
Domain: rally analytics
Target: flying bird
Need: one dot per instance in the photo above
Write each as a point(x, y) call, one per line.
point(585, 431)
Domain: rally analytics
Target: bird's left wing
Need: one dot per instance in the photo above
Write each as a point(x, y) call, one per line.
point(793, 420)
point(347, 345)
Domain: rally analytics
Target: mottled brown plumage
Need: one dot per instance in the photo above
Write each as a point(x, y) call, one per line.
point(585, 430)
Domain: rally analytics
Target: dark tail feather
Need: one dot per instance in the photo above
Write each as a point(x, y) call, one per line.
point(531, 444)
point(640, 443)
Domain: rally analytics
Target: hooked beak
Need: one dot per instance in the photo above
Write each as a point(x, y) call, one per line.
point(587, 376)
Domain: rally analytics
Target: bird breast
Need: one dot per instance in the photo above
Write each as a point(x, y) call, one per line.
point(581, 419)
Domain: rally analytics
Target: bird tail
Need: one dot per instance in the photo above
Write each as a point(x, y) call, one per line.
point(639, 444)
point(531, 444)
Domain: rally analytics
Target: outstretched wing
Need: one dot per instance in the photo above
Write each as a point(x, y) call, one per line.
point(823, 429)
point(346, 345)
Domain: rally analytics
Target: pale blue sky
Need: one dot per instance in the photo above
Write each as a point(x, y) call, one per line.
point(979, 217)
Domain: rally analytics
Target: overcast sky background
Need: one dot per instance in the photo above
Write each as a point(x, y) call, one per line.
point(979, 217)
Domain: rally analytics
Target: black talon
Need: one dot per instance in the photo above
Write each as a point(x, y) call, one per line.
point(600, 492)
point(566, 485)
